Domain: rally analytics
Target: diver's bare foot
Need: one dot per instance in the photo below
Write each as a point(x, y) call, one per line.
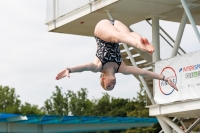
point(144, 45)
point(149, 47)
point(140, 45)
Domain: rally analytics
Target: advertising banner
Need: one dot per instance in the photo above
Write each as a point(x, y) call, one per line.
point(184, 71)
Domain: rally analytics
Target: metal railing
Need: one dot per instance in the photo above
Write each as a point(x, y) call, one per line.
point(58, 8)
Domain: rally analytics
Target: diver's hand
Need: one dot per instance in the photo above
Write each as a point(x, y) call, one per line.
point(63, 74)
point(168, 80)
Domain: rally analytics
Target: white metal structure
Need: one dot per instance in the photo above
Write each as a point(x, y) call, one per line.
point(82, 18)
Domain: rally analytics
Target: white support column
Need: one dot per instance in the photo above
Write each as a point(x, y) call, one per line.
point(189, 15)
point(165, 127)
point(156, 43)
point(156, 57)
point(8, 127)
point(179, 35)
point(172, 120)
point(172, 124)
point(55, 11)
point(156, 39)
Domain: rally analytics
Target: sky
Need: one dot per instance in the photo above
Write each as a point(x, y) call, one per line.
point(31, 57)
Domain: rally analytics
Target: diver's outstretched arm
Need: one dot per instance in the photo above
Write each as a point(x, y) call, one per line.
point(137, 71)
point(80, 68)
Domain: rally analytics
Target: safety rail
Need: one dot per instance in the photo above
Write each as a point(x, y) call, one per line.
point(57, 8)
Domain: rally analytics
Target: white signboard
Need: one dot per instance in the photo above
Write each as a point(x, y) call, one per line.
point(184, 71)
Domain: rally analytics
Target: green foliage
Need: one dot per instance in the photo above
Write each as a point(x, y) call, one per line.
point(69, 103)
point(77, 103)
point(120, 107)
point(28, 109)
point(142, 130)
point(9, 101)
point(141, 111)
point(154, 129)
point(139, 104)
point(57, 104)
point(103, 105)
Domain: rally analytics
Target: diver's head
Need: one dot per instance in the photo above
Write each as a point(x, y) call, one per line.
point(107, 81)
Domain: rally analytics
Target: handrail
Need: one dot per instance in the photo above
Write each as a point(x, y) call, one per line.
point(56, 9)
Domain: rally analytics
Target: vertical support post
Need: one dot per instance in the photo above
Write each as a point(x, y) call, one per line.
point(40, 128)
point(189, 15)
point(55, 11)
point(155, 38)
point(179, 35)
point(54, 8)
point(174, 126)
point(156, 43)
point(109, 15)
point(165, 127)
point(156, 57)
point(172, 120)
point(8, 127)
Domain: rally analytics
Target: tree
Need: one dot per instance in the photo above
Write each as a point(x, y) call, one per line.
point(141, 111)
point(9, 101)
point(103, 106)
point(57, 104)
point(119, 107)
point(139, 104)
point(79, 104)
point(28, 109)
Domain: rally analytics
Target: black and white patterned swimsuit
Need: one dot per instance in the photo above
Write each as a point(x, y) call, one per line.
point(108, 52)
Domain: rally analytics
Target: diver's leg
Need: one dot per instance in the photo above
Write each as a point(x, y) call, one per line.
point(119, 33)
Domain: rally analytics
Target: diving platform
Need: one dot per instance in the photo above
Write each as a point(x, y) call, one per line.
point(181, 109)
point(80, 17)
